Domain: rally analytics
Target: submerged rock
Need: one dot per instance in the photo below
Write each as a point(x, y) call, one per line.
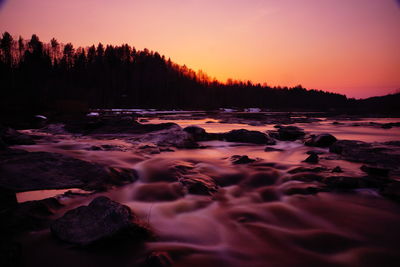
point(103, 219)
point(321, 140)
point(246, 136)
point(237, 159)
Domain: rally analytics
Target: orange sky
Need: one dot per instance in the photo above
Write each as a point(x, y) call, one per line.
point(345, 46)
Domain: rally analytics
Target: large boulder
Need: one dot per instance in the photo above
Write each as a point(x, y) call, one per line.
point(290, 133)
point(172, 136)
point(321, 140)
point(103, 219)
point(25, 171)
point(246, 136)
point(198, 133)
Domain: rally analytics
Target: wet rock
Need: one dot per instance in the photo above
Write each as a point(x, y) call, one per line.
point(384, 156)
point(392, 190)
point(305, 169)
point(102, 220)
point(199, 184)
point(313, 158)
point(125, 125)
point(246, 136)
point(307, 177)
point(25, 171)
point(272, 149)
point(337, 169)
point(158, 259)
point(29, 216)
point(173, 136)
point(238, 159)
point(342, 182)
point(290, 133)
point(9, 137)
point(302, 189)
point(375, 171)
point(198, 133)
point(321, 140)
point(7, 199)
point(390, 125)
point(10, 253)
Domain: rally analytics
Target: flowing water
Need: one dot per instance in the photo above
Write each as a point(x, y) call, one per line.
point(246, 222)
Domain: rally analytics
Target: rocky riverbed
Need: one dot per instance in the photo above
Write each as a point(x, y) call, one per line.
point(202, 189)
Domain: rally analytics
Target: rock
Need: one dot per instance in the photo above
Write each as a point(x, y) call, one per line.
point(198, 133)
point(272, 149)
point(126, 125)
point(9, 137)
point(7, 199)
point(375, 171)
point(305, 169)
point(237, 159)
point(313, 158)
point(392, 190)
point(337, 169)
point(302, 189)
point(307, 177)
point(321, 140)
point(342, 182)
point(199, 184)
point(10, 253)
point(158, 259)
point(246, 136)
point(26, 171)
point(173, 136)
point(102, 220)
point(384, 156)
point(29, 216)
point(290, 133)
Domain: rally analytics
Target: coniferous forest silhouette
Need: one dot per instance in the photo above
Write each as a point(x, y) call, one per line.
point(39, 77)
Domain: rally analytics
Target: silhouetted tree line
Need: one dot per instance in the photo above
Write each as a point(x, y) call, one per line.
point(37, 76)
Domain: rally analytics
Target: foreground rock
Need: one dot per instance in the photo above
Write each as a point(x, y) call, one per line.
point(321, 140)
point(102, 220)
point(9, 137)
point(246, 136)
point(25, 171)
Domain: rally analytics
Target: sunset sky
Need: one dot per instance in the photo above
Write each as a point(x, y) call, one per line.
point(344, 46)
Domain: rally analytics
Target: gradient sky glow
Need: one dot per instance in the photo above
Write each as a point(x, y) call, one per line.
point(345, 46)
